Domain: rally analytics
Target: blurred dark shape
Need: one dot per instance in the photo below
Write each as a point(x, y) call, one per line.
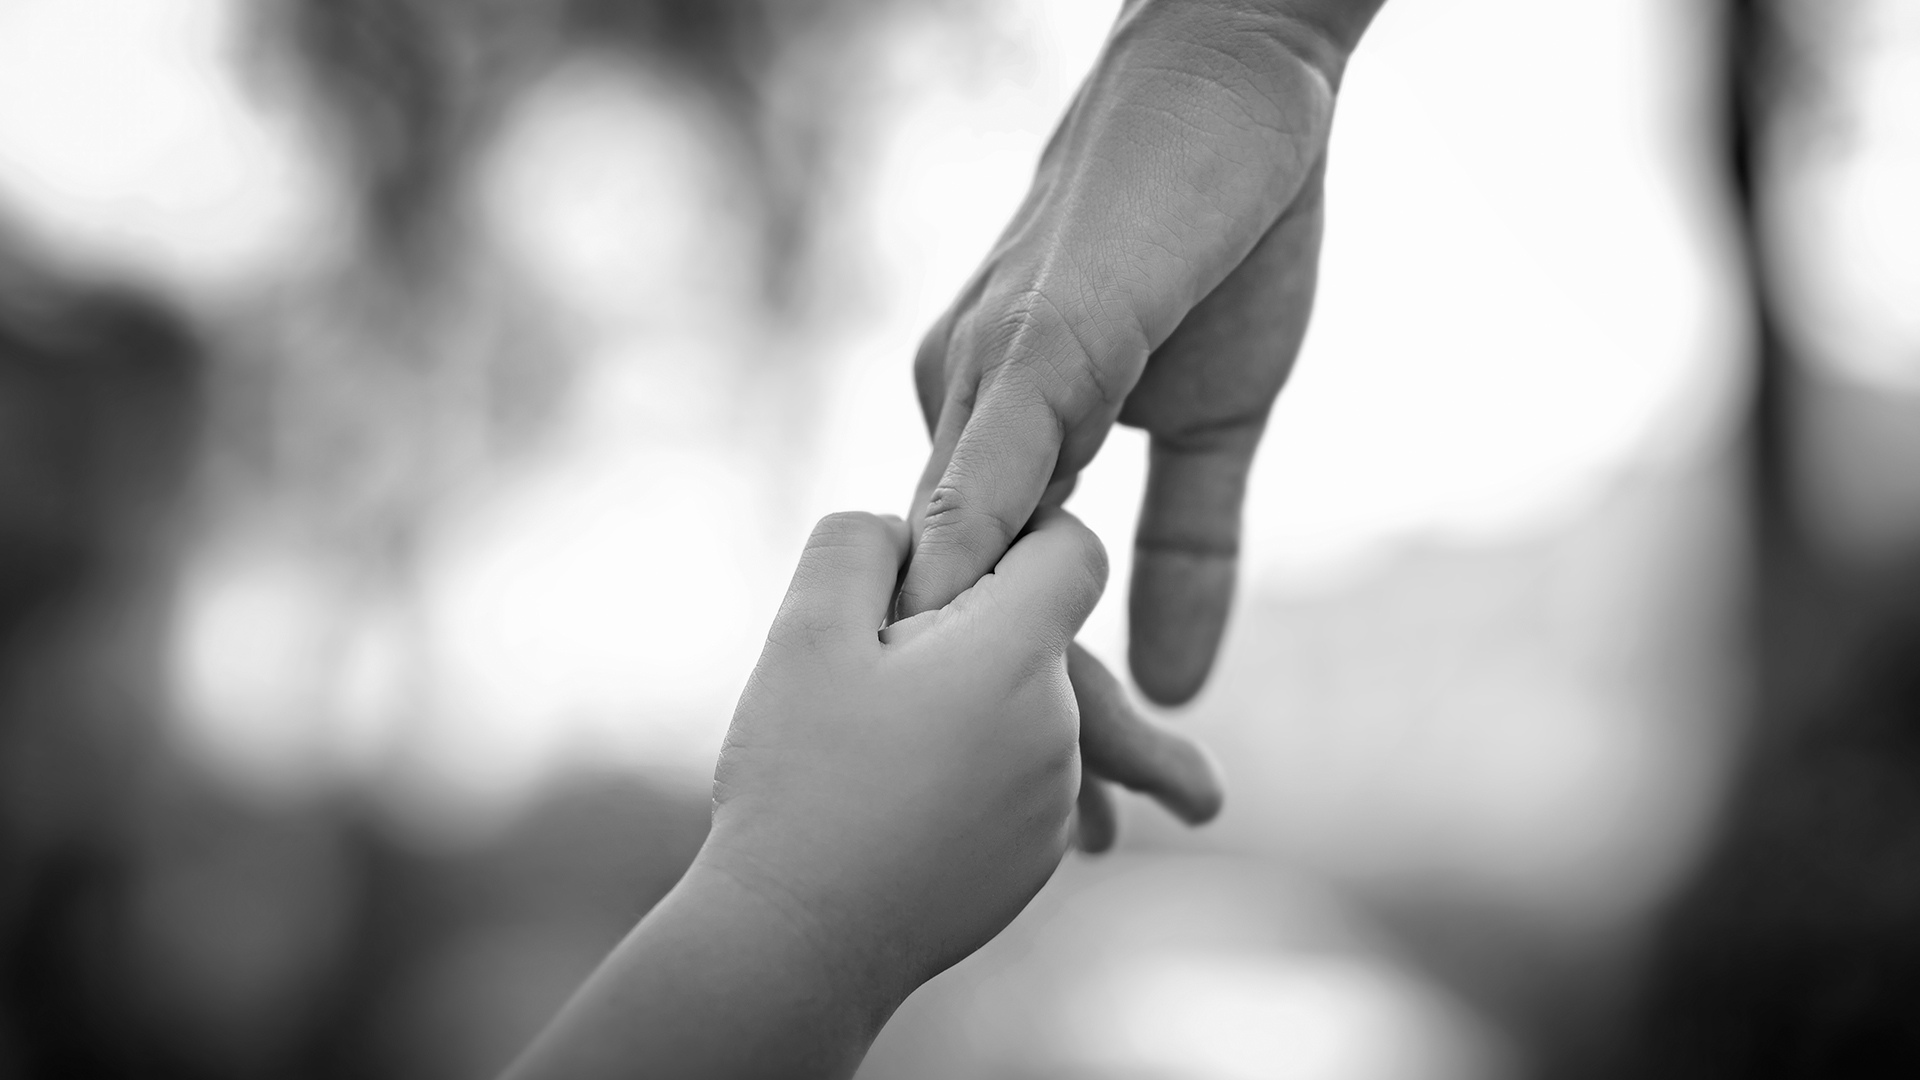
point(408, 88)
point(1795, 952)
point(411, 88)
point(100, 400)
point(151, 922)
point(99, 389)
point(151, 925)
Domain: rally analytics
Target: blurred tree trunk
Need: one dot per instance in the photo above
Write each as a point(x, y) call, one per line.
point(98, 405)
point(1795, 951)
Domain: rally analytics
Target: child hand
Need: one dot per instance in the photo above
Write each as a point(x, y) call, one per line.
point(886, 802)
point(902, 793)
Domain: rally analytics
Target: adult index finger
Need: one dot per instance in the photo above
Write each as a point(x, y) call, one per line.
point(1197, 128)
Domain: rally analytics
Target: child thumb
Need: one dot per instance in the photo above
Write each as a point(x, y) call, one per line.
point(1047, 583)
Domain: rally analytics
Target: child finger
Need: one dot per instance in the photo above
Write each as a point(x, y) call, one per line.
point(1095, 824)
point(1119, 744)
point(1046, 584)
point(846, 577)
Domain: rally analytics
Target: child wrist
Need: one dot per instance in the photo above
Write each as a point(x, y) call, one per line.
point(839, 953)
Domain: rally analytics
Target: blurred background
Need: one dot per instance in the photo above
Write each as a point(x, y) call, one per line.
point(410, 411)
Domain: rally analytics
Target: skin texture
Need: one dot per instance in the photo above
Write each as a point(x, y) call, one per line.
point(1159, 274)
point(885, 803)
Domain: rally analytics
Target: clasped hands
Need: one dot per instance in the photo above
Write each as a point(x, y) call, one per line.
point(1159, 273)
point(887, 802)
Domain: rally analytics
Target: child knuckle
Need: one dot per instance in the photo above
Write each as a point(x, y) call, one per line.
point(1093, 557)
point(843, 527)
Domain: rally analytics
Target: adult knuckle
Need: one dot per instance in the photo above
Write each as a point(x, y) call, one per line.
point(792, 639)
point(932, 353)
point(929, 389)
point(1005, 330)
point(930, 369)
point(1037, 308)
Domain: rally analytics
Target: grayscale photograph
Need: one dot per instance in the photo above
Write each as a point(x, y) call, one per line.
point(959, 539)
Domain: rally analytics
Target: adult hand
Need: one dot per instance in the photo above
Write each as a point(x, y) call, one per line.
point(1159, 273)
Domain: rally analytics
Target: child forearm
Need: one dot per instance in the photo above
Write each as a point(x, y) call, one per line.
point(717, 981)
